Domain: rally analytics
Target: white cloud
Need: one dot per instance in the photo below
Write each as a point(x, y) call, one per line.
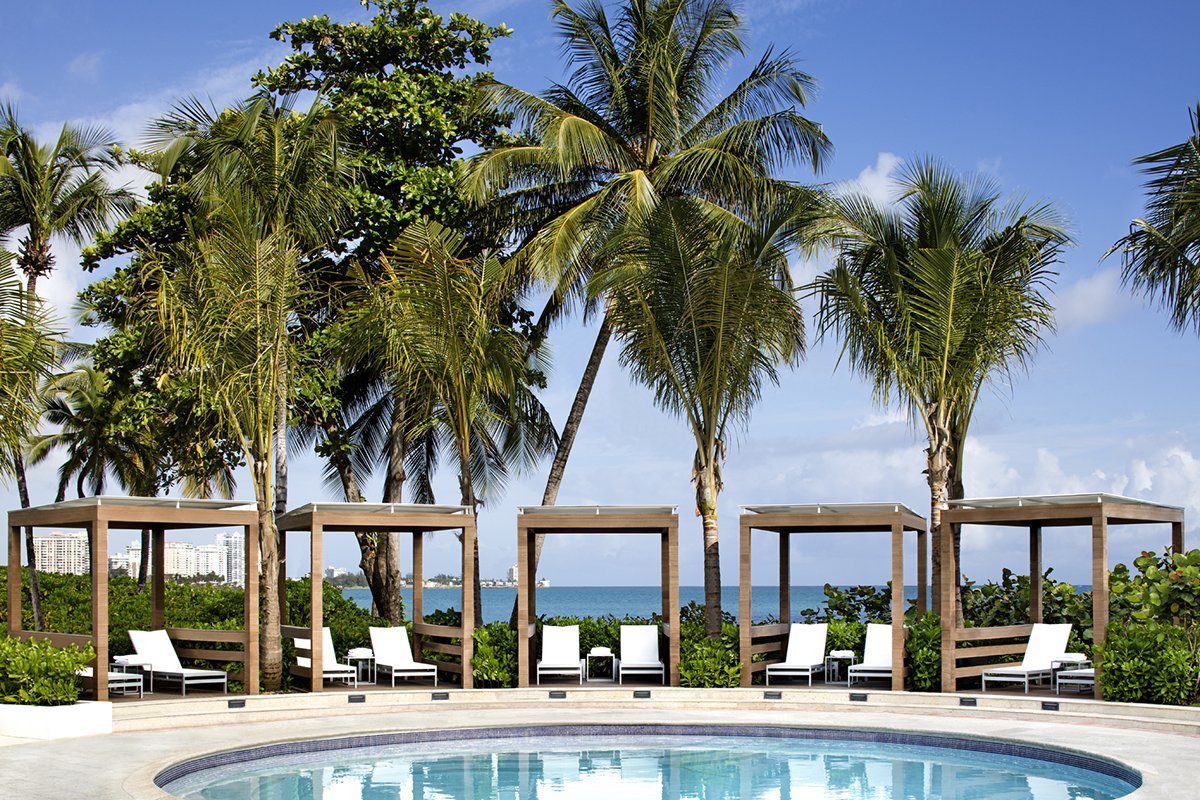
point(876, 181)
point(85, 65)
point(10, 92)
point(1091, 300)
point(882, 418)
point(989, 166)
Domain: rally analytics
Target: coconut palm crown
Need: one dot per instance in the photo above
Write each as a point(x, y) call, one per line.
point(936, 296)
point(56, 190)
point(1162, 249)
point(639, 120)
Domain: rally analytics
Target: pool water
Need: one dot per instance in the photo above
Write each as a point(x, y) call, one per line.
point(649, 768)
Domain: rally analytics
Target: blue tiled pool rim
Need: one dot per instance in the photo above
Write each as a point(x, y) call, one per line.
point(1070, 758)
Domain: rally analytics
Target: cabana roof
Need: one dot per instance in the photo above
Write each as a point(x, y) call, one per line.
point(830, 508)
point(596, 511)
point(831, 517)
point(125, 501)
point(1060, 510)
point(120, 511)
point(1053, 500)
point(364, 516)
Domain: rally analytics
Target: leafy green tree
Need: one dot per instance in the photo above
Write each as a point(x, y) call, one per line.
point(935, 297)
point(270, 184)
point(635, 125)
point(703, 319)
point(1162, 250)
point(53, 190)
point(436, 316)
point(401, 84)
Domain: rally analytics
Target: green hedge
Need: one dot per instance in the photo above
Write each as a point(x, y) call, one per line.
point(38, 674)
point(1151, 662)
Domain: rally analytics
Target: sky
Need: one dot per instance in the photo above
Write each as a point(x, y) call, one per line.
point(1051, 100)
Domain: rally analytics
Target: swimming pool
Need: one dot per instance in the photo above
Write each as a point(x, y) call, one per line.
point(652, 762)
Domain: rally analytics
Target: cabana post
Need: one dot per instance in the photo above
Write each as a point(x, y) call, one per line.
point(1035, 513)
point(99, 515)
point(533, 521)
point(770, 640)
point(390, 518)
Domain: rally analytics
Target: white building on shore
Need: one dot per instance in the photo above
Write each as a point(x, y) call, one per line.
point(62, 553)
point(226, 558)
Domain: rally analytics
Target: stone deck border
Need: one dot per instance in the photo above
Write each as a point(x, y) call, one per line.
point(1162, 744)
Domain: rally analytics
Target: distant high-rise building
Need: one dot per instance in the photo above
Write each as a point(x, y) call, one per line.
point(121, 561)
point(63, 553)
point(210, 560)
point(233, 545)
point(226, 558)
point(512, 573)
point(179, 559)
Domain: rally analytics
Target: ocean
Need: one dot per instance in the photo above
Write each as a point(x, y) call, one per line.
point(619, 601)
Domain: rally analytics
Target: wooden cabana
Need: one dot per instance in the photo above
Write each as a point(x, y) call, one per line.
point(534, 521)
point(771, 640)
point(415, 518)
point(98, 516)
point(1096, 511)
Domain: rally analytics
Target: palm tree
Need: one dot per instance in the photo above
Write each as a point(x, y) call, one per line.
point(99, 441)
point(82, 407)
point(1162, 250)
point(29, 349)
point(56, 190)
point(638, 122)
point(53, 190)
point(271, 185)
point(436, 317)
point(704, 319)
point(936, 297)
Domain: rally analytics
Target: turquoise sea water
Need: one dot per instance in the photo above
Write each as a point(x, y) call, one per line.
point(619, 601)
point(650, 768)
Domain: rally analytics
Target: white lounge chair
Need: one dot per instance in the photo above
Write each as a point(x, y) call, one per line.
point(331, 668)
point(154, 648)
point(393, 655)
point(805, 652)
point(560, 652)
point(639, 653)
point(1084, 678)
point(877, 655)
point(122, 682)
point(1047, 644)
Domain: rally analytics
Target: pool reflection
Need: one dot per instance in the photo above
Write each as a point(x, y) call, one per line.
point(725, 769)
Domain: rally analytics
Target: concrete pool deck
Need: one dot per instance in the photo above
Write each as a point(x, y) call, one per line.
point(1163, 744)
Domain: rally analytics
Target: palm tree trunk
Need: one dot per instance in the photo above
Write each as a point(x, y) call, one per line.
point(938, 475)
point(387, 565)
point(956, 491)
point(468, 499)
point(35, 592)
point(706, 504)
point(144, 561)
point(567, 440)
point(271, 663)
point(281, 423)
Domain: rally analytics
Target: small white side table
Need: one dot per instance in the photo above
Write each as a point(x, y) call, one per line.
point(599, 653)
point(833, 664)
point(132, 663)
point(360, 657)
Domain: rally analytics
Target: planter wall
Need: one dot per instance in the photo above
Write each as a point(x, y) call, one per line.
point(86, 718)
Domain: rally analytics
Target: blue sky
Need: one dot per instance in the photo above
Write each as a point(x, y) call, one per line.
point(1053, 100)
